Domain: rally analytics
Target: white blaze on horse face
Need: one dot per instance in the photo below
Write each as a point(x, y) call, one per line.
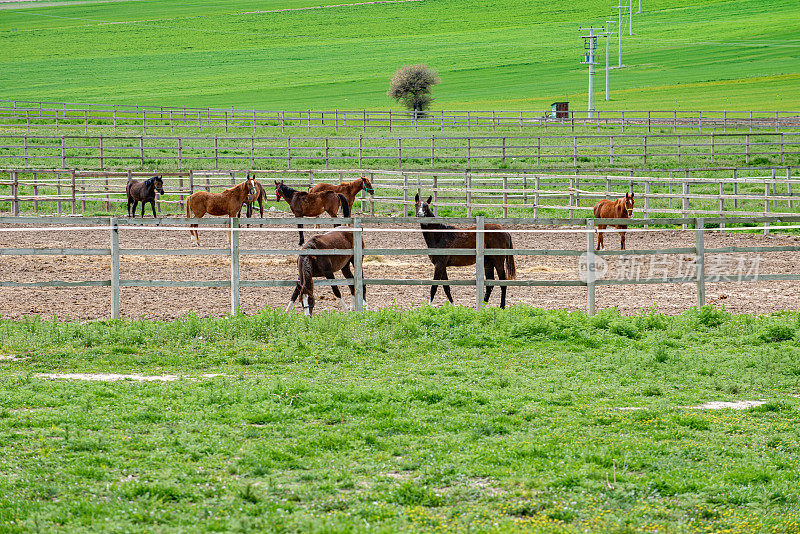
point(420, 211)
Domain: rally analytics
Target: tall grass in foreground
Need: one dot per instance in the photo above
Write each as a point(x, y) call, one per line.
point(436, 419)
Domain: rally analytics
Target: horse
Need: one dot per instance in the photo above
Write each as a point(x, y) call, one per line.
point(229, 203)
point(348, 189)
point(622, 208)
point(261, 197)
point(143, 192)
point(305, 204)
point(309, 266)
point(504, 265)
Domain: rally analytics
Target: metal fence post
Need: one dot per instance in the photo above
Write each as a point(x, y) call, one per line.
point(480, 282)
point(358, 262)
point(114, 268)
point(234, 265)
point(590, 267)
point(74, 200)
point(699, 226)
point(15, 191)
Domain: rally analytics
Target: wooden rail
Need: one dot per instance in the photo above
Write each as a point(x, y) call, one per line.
point(161, 118)
point(588, 255)
point(99, 151)
point(521, 194)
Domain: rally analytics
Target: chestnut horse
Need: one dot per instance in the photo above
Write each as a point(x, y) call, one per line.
point(348, 189)
point(309, 266)
point(622, 208)
point(305, 204)
point(229, 203)
point(143, 192)
point(504, 265)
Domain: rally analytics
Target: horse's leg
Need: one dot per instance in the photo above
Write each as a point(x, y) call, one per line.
point(129, 206)
point(152, 205)
point(502, 275)
point(294, 297)
point(308, 304)
point(437, 275)
point(600, 229)
point(446, 288)
point(338, 294)
point(488, 269)
point(133, 211)
point(622, 236)
point(302, 239)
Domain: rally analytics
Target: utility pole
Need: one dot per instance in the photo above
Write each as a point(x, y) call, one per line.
point(630, 17)
point(589, 44)
point(640, 7)
point(608, 38)
point(620, 8)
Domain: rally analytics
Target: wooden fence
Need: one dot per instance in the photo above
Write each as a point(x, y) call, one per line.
point(520, 194)
point(93, 151)
point(588, 254)
point(160, 118)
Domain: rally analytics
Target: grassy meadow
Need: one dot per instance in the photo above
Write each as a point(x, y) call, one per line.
point(432, 420)
point(490, 55)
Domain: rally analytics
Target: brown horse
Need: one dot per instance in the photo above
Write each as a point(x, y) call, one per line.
point(622, 208)
point(305, 204)
point(309, 266)
point(261, 197)
point(348, 189)
point(144, 192)
point(504, 265)
point(229, 203)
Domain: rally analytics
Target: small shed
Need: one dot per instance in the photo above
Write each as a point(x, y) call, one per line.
point(559, 110)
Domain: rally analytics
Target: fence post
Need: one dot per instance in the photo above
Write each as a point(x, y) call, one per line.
point(15, 188)
point(789, 185)
point(114, 268)
point(372, 197)
point(74, 200)
point(480, 282)
point(101, 152)
point(536, 183)
point(685, 199)
point(468, 187)
point(647, 202)
point(505, 196)
point(735, 191)
point(234, 265)
point(63, 155)
point(36, 195)
point(216, 153)
point(288, 152)
point(358, 262)
point(360, 147)
point(670, 189)
point(766, 201)
point(699, 225)
point(590, 267)
point(141, 150)
point(433, 149)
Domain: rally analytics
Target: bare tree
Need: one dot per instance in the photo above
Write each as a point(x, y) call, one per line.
point(411, 85)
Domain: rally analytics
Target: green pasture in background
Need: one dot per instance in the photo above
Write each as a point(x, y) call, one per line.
point(515, 54)
point(429, 420)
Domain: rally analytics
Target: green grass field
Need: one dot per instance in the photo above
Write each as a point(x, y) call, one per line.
point(491, 55)
point(432, 420)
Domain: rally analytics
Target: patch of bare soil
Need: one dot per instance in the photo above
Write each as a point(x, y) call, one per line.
point(168, 303)
point(722, 405)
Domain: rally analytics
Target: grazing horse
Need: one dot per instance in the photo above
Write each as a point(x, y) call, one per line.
point(309, 266)
point(261, 197)
point(305, 204)
point(348, 189)
point(229, 203)
point(504, 265)
point(143, 192)
point(622, 208)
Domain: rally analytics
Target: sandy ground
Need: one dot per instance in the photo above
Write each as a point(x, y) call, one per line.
point(167, 303)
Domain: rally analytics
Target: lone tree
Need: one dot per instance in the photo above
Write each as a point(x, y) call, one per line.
point(411, 85)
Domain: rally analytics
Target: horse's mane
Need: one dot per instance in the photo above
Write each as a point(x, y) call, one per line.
point(287, 191)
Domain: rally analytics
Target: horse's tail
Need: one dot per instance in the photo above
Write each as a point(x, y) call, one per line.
point(596, 210)
point(188, 207)
point(305, 278)
point(511, 266)
point(344, 204)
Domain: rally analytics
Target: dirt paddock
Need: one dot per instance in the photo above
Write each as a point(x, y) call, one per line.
point(167, 303)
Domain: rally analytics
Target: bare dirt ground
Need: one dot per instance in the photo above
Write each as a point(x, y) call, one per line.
point(167, 303)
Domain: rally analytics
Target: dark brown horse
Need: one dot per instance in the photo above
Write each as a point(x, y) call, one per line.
point(348, 189)
point(229, 203)
point(309, 266)
point(305, 204)
point(622, 208)
point(434, 238)
point(143, 192)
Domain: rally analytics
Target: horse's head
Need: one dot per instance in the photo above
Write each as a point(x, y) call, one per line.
point(158, 184)
point(629, 204)
point(278, 186)
point(250, 187)
point(367, 185)
point(423, 209)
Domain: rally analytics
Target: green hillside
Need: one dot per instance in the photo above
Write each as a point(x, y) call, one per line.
point(514, 54)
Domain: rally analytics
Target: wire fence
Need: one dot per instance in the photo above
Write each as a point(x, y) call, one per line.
point(158, 119)
point(587, 271)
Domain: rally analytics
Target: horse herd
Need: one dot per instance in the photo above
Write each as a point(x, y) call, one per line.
point(330, 198)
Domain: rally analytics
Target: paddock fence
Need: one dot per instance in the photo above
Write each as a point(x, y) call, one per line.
point(160, 118)
point(736, 193)
point(99, 151)
point(586, 268)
